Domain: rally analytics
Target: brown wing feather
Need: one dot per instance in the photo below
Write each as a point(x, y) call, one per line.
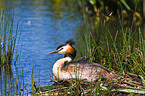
point(82, 64)
point(87, 70)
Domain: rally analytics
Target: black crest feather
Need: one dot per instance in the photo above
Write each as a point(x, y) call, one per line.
point(70, 41)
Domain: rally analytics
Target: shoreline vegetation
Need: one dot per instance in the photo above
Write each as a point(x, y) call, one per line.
point(8, 53)
point(121, 49)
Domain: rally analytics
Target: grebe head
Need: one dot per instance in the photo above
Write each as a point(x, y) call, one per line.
point(67, 49)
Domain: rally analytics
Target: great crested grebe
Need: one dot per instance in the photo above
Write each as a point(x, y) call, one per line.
point(65, 68)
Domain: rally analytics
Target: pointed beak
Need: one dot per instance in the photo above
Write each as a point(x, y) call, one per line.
point(56, 51)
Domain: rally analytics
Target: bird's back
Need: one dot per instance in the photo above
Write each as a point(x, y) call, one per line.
point(85, 70)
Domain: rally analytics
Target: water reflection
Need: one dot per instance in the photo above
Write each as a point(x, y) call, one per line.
point(45, 24)
point(57, 8)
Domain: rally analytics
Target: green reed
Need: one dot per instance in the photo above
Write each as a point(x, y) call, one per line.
point(32, 83)
point(8, 56)
point(121, 49)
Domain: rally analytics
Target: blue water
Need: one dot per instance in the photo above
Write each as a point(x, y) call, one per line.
point(43, 25)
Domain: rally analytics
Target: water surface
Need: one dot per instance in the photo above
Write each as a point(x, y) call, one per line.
point(45, 25)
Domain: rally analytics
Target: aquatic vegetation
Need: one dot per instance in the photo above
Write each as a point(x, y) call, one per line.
point(121, 49)
point(131, 10)
point(123, 55)
point(8, 54)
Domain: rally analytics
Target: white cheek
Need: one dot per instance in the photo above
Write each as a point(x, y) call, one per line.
point(63, 51)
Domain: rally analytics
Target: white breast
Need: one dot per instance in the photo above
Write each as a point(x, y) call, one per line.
point(57, 72)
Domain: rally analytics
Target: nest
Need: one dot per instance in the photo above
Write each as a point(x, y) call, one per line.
point(120, 85)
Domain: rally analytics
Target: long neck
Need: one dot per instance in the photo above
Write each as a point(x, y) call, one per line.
point(69, 51)
point(59, 64)
point(72, 55)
